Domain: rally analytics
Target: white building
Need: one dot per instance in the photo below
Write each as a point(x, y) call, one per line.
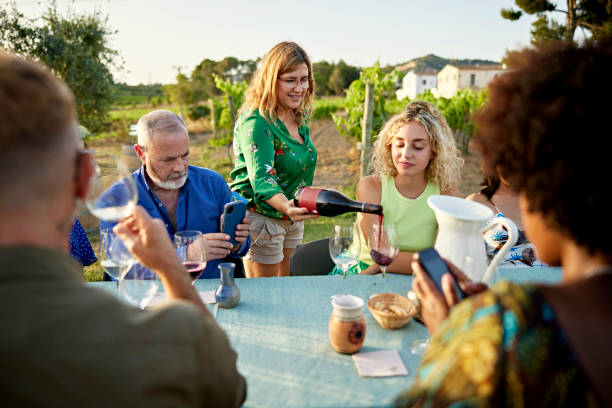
point(415, 83)
point(452, 78)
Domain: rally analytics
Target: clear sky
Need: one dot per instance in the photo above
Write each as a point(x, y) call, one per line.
point(154, 37)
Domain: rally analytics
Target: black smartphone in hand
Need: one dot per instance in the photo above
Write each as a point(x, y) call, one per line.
point(233, 214)
point(435, 267)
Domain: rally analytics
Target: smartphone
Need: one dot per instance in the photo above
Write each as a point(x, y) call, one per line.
point(234, 212)
point(435, 268)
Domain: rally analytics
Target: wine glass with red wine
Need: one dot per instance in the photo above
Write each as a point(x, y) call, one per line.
point(191, 251)
point(384, 245)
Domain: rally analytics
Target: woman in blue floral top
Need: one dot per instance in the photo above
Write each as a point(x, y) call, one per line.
point(525, 345)
point(273, 156)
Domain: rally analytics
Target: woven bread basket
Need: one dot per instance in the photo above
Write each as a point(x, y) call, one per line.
point(390, 310)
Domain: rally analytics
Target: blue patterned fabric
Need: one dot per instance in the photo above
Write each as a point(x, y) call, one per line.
point(502, 348)
point(80, 248)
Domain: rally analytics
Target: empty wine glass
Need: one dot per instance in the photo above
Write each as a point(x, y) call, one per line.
point(419, 346)
point(115, 258)
point(112, 192)
point(191, 251)
point(344, 246)
point(384, 245)
point(139, 285)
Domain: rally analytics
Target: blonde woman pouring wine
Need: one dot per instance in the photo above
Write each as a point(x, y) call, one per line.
point(274, 156)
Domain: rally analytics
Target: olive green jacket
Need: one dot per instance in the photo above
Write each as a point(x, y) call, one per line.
point(65, 344)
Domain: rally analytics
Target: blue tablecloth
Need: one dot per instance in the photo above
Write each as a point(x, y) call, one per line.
point(279, 331)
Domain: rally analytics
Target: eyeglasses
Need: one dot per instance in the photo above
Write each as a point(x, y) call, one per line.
point(293, 83)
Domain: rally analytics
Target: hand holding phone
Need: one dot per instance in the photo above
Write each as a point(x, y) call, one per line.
point(233, 214)
point(435, 267)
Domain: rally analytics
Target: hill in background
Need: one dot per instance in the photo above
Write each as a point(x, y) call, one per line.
point(434, 62)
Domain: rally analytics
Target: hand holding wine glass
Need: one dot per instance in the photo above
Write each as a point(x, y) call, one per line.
point(191, 250)
point(384, 245)
point(343, 246)
point(112, 193)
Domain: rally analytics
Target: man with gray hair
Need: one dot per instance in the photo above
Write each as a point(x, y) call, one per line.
point(56, 348)
point(184, 197)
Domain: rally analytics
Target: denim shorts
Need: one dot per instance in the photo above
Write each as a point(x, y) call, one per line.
point(269, 236)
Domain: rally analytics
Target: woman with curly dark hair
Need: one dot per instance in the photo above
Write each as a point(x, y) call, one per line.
point(529, 345)
point(499, 197)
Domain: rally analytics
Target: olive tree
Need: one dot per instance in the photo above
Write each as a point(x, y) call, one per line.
point(75, 47)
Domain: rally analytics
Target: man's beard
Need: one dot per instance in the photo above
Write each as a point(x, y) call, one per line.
point(173, 182)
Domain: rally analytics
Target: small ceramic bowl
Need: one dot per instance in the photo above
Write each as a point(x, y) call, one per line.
point(390, 310)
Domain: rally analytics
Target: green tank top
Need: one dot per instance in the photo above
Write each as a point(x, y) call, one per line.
point(415, 222)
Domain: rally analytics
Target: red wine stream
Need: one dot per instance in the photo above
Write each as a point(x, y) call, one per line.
point(376, 255)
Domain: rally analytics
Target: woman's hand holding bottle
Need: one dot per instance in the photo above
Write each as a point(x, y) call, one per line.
point(287, 207)
point(297, 213)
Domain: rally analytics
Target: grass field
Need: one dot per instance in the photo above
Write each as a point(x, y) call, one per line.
point(132, 115)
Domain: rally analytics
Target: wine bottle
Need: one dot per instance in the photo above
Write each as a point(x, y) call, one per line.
point(330, 203)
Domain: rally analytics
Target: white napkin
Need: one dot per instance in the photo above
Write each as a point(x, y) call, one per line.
point(382, 363)
point(207, 297)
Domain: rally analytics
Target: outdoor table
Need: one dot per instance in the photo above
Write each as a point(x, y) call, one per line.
point(279, 331)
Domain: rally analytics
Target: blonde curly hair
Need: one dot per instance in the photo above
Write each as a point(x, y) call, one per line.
point(445, 165)
point(261, 94)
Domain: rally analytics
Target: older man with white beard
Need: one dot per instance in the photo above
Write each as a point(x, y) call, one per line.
point(184, 197)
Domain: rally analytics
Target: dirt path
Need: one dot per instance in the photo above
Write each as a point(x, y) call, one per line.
point(335, 169)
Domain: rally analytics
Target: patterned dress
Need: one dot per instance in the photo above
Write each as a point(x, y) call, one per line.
point(80, 248)
point(502, 348)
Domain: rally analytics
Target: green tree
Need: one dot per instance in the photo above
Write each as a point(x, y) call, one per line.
point(594, 16)
point(322, 71)
point(384, 85)
point(225, 113)
point(458, 112)
point(75, 48)
point(181, 93)
point(234, 89)
point(202, 76)
point(341, 77)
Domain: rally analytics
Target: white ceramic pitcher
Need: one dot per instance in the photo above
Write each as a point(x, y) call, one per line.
point(461, 224)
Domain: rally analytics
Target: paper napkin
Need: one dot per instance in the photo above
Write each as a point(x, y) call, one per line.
point(207, 297)
point(382, 363)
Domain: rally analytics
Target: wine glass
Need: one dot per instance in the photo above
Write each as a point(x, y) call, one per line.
point(419, 346)
point(384, 245)
point(191, 251)
point(112, 192)
point(344, 246)
point(139, 285)
point(115, 258)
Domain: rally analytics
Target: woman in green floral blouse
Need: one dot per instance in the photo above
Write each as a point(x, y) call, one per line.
point(274, 156)
point(526, 345)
